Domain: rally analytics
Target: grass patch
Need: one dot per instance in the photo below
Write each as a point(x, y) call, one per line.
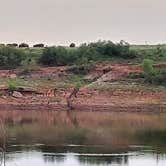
point(77, 80)
point(126, 86)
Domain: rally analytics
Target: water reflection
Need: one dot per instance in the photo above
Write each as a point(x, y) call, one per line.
point(130, 157)
point(98, 139)
point(92, 128)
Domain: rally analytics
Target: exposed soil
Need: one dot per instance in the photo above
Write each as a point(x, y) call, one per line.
point(88, 98)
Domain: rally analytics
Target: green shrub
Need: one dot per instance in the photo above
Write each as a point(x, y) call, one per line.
point(11, 85)
point(57, 56)
point(110, 49)
point(151, 75)
point(29, 65)
point(160, 78)
point(147, 66)
point(149, 72)
point(10, 57)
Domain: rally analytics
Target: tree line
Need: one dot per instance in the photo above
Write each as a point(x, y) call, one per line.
point(59, 55)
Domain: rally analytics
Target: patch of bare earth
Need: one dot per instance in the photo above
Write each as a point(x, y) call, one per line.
point(88, 99)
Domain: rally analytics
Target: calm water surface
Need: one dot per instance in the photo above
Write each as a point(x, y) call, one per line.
point(83, 139)
point(83, 156)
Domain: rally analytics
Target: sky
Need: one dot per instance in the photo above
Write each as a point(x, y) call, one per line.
point(60, 22)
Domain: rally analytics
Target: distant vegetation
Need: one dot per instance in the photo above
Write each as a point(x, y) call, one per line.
point(153, 52)
point(11, 56)
point(102, 50)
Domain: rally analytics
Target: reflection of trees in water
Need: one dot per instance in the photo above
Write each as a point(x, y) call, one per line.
point(52, 154)
point(52, 158)
point(82, 150)
point(152, 136)
point(123, 160)
point(73, 127)
point(104, 160)
point(53, 150)
point(78, 149)
point(1, 156)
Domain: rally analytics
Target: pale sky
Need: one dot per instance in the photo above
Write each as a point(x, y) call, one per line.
point(55, 22)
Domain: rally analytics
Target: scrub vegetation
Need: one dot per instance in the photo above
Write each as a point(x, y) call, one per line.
point(14, 57)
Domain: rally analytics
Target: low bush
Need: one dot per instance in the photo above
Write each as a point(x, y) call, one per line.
point(160, 77)
point(149, 71)
point(56, 56)
point(152, 75)
point(28, 65)
point(11, 57)
point(11, 85)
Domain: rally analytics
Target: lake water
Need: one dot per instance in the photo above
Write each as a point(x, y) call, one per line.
point(80, 156)
point(83, 139)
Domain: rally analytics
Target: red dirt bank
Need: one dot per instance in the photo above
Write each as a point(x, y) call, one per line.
point(114, 99)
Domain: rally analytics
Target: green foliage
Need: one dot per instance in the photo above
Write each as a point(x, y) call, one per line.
point(10, 57)
point(147, 66)
point(149, 72)
point(151, 75)
point(86, 53)
point(79, 84)
point(29, 65)
point(154, 52)
point(56, 56)
point(11, 85)
point(160, 77)
point(105, 49)
point(77, 81)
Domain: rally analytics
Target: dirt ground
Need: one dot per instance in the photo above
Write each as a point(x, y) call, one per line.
point(113, 94)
